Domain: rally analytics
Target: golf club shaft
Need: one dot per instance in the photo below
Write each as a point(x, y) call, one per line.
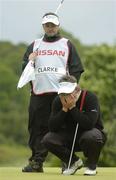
point(73, 146)
point(59, 6)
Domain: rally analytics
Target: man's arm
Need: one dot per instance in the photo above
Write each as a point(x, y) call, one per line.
point(57, 116)
point(75, 66)
point(88, 117)
point(26, 55)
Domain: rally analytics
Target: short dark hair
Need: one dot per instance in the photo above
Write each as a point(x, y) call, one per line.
point(50, 13)
point(68, 78)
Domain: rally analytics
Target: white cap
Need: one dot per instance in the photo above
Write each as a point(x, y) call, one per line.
point(66, 87)
point(51, 18)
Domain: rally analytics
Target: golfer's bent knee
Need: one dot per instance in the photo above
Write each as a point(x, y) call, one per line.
point(48, 138)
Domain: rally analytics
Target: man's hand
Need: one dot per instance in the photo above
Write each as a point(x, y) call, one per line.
point(69, 101)
point(64, 103)
point(33, 56)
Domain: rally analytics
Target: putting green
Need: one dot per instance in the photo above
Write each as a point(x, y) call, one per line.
point(12, 173)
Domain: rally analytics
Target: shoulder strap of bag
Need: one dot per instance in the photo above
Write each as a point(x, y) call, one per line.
point(82, 100)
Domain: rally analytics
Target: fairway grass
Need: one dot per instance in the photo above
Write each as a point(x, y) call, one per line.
point(12, 173)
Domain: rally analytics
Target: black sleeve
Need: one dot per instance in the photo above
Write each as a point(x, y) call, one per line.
point(57, 117)
point(75, 66)
point(88, 117)
point(26, 55)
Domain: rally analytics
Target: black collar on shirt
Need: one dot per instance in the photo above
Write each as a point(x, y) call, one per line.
point(52, 39)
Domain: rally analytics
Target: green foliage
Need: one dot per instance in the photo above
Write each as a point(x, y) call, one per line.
point(13, 154)
point(13, 116)
point(100, 75)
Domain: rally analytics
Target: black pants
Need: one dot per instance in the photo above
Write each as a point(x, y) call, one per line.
point(90, 143)
point(39, 112)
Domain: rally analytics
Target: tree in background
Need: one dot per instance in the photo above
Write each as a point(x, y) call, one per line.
point(13, 104)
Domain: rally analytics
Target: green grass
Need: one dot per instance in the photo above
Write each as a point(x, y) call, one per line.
point(14, 173)
point(13, 154)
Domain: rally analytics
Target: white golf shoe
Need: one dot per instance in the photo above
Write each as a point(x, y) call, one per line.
point(90, 172)
point(73, 168)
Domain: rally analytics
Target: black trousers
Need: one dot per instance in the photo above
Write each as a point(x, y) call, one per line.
point(89, 142)
point(39, 112)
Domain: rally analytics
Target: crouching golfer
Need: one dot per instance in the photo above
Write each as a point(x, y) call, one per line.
point(75, 106)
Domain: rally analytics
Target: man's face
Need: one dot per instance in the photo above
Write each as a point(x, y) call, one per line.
point(50, 29)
